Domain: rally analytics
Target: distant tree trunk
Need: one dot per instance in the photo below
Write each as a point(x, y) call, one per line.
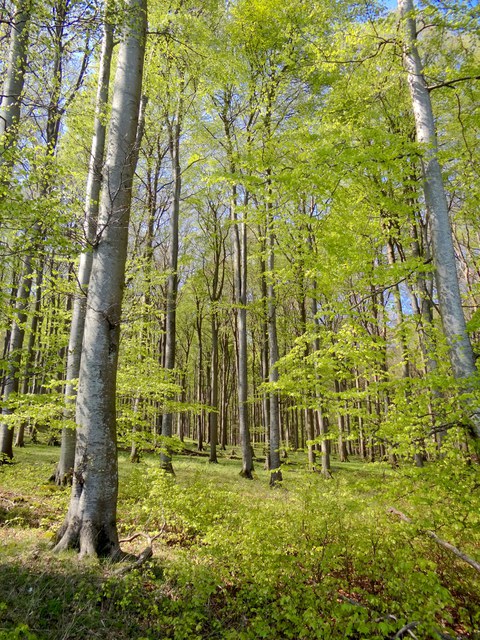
point(342, 448)
point(274, 431)
point(264, 354)
point(225, 392)
point(63, 472)
point(175, 130)
point(450, 302)
point(90, 524)
point(30, 355)
point(213, 415)
point(199, 393)
point(215, 288)
point(322, 420)
point(17, 335)
point(240, 276)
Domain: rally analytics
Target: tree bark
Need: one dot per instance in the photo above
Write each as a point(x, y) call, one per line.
point(172, 283)
point(30, 354)
point(240, 276)
point(17, 335)
point(450, 302)
point(63, 473)
point(15, 75)
point(90, 524)
point(274, 430)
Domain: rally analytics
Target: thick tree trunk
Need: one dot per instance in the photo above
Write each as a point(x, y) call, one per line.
point(90, 524)
point(450, 302)
point(14, 78)
point(63, 473)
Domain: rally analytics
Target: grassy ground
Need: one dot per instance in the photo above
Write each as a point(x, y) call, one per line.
point(314, 559)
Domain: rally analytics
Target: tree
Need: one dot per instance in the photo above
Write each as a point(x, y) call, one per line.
point(450, 302)
point(15, 76)
point(64, 469)
point(90, 524)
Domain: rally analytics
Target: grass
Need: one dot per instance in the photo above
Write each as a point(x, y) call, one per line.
point(236, 560)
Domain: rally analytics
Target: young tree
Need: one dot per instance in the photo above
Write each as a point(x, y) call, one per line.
point(90, 524)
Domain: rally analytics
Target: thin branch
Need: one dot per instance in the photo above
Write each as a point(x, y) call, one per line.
point(443, 543)
point(450, 83)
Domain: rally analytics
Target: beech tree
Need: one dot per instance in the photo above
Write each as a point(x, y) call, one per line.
point(14, 78)
point(90, 524)
point(64, 469)
point(326, 282)
point(450, 301)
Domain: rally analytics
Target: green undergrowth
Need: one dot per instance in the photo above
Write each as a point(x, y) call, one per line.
point(234, 559)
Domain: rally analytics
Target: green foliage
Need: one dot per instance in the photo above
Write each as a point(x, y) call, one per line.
point(315, 559)
point(21, 632)
point(43, 411)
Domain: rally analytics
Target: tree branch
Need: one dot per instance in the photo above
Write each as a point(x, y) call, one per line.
point(443, 543)
point(450, 83)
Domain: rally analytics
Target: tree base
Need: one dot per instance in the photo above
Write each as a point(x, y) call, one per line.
point(62, 478)
point(275, 479)
point(167, 466)
point(89, 539)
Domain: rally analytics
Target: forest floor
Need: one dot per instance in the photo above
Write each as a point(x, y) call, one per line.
point(314, 558)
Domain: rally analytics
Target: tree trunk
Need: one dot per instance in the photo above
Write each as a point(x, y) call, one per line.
point(63, 473)
point(322, 421)
point(240, 276)
point(274, 431)
point(30, 355)
point(14, 79)
point(90, 524)
point(450, 302)
point(172, 283)
point(213, 415)
point(15, 346)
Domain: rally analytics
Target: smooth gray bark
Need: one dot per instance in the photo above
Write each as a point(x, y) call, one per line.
point(64, 470)
point(9, 117)
point(15, 75)
point(90, 524)
point(240, 279)
point(322, 421)
point(450, 302)
point(264, 354)
point(30, 352)
point(214, 283)
point(213, 415)
point(239, 237)
point(15, 346)
point(175, 131)
point(274, 430)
